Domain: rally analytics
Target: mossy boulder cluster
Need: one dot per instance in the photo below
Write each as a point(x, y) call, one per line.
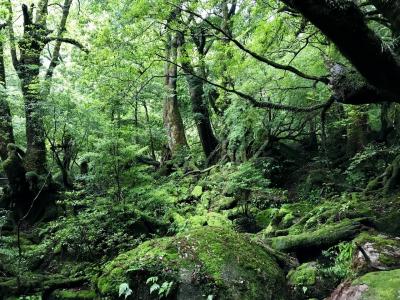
point(208, 262)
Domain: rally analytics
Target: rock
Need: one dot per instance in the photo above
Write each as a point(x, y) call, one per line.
point(383, 285)
point(307, 282)
point(376, 252)
point(208, 261)
point(346, 291)
point(304, 275)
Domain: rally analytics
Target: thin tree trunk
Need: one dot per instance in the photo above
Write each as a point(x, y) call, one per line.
point(152, 150)
point(6, 129)
point(356, 132)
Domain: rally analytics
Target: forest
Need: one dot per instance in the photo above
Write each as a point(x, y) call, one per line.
point(200, 149)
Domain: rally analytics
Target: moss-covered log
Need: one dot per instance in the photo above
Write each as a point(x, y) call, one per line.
point(39, 284)
point(314, 241)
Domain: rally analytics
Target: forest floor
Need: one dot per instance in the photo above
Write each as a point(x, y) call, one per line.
point(203, 240)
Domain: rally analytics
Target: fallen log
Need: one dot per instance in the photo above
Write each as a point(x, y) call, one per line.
point(40, 284)
point(320, 239)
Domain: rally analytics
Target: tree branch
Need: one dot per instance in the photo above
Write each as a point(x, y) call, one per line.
point(253, 101)
point(57, 47)
point(68, 41)
point(13, 48)
point(323, 79)
point(344, 24)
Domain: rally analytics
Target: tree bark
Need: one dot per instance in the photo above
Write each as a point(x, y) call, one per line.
point(172, 117)
point(6, 129)
point(357, 131)
point(28, 67)
point(196, 89)
point(201, 116)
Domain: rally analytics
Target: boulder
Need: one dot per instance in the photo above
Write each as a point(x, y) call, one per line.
point(376, 252)
point(204, 263)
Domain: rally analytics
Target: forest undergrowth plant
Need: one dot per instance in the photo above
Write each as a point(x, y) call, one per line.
point(338, 261)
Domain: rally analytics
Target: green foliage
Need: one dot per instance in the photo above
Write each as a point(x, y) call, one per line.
point(124, 290)
point(369, 163)
point(341, 257)
point(94, 227)
point(162, 290)
point(246, 177)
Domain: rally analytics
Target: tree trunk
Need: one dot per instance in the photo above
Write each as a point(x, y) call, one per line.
point(201, 116)
point(35, 159)
point(196, 88)
point(386, 125)
point(151, 138)
point(172, 117)
point(28, 69)
point(6, 129)
point(357, 132)
point(313, 242)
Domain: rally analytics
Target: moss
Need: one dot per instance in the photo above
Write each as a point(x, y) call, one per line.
point(324, 237)
point(73, 295)
point(288, 220)
point(383, 285)
point(31, 283)
point(387, 248)
point(197, 191)
point(264, 217)
point(377, 239)
point(214, 260)
point(304, 275)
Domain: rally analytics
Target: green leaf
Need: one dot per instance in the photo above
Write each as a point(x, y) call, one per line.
point(154, 287)
point(125, 290)
point(152, 279)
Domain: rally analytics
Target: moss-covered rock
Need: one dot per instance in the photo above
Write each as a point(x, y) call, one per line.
point(376, 251)
point(306, 282)
point(304, 275)
point(39, 284)
point(202, 262)
point(264, 218)
point(384, 285)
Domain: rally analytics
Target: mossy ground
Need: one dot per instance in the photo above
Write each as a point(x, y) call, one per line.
point(70, 294)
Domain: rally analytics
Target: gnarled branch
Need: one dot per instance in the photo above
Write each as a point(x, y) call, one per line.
point(68, 41)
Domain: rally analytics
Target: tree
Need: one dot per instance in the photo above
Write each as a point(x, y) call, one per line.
point(196, 89)
point(172, 117)
point(36, 36)
point(6, 129)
